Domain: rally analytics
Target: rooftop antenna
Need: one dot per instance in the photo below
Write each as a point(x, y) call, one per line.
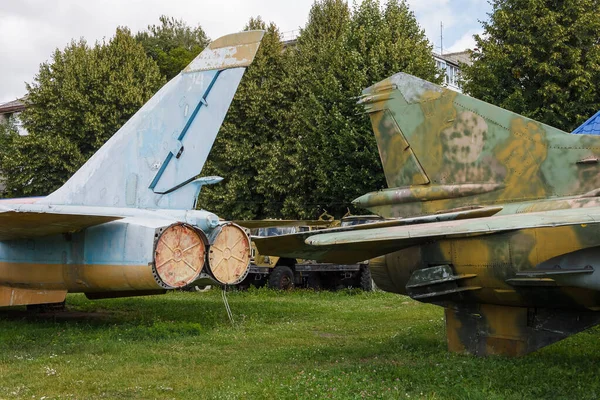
point(441, 38)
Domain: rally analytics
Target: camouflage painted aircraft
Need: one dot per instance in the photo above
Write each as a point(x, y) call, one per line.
point(491, 215)
point(125, 224)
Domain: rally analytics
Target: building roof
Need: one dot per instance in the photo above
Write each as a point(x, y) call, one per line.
point(589, 127)
point(457, 58)
point(12, 106)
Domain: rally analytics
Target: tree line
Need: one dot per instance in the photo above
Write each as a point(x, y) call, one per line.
point(294, 142)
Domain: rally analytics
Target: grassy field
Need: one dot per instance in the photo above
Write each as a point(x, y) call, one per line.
point(284, 345)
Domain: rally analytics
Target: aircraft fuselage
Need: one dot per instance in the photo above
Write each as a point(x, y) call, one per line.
point(146, 253)
point(505, 293)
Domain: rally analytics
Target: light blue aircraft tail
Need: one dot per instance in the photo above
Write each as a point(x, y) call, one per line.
point(153, 160)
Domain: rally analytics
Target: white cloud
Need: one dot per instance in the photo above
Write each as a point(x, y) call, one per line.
point(430, 13)
point(459, 17)
point(466, 41)
point(30, 30)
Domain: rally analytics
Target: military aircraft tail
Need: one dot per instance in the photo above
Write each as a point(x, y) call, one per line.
point(153, 160)
point(442, 150)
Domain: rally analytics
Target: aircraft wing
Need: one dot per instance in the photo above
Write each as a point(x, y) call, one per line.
point(362, 242)
point(19, 224)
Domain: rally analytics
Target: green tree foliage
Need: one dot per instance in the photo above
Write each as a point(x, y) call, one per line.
point(8, 129)
point(371, 45)
point(540, 58)
point(172, 44)
point(330, 155)
point(254, 122)
point(324, 72)
point(76, 102)
point(38, 164)
point(295, 141)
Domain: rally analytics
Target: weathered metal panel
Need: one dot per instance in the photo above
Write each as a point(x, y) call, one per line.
point(179, 255)
point(460, 140)
point(197, 139)
point(22, 225)
point(486, 329)
point(230, 51)
point(35, 220)
point(229, 254)
point(390, 137)
point(11, 296)
point(97, 233)
point(167, 141)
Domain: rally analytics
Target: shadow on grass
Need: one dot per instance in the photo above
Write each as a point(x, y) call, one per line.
point(165, 317)
point(206, 308)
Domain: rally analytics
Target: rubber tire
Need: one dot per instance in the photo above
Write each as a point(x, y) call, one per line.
point(366, 282)
point(282, 278)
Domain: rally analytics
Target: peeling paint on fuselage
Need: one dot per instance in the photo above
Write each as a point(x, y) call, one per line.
point(98, 232)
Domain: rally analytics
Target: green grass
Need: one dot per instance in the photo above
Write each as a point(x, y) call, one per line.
point(284, 345)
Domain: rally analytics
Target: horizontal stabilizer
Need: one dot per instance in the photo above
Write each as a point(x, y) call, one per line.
point(357, 243)
point(269, 223)
point(21, 225)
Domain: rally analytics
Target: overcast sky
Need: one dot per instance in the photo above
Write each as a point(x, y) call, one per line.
point(30, 30)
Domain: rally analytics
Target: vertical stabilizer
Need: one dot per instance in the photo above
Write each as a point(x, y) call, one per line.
point(151, 161)
point(441, 150)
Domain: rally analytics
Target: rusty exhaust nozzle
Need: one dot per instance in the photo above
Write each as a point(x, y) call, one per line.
point(179, 256)
point(229, 254)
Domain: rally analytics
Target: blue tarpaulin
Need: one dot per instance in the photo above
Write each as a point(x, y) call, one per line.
point(589, 127)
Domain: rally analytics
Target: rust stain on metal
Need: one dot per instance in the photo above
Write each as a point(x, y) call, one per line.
point(10, 296)
point(231, 51)
point(229, 256)
point(179, 255)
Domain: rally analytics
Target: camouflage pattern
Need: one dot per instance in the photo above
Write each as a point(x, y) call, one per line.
point(491, 215)
point(441, 150)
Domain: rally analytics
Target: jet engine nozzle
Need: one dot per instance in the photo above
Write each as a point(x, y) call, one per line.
point(229, 254)
point(179, 255)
